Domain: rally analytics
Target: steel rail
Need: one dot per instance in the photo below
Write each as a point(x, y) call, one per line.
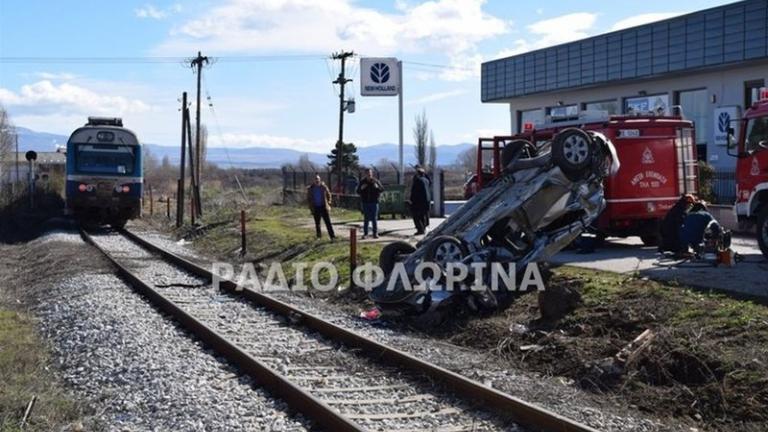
point(296, 397)
point(505, 405)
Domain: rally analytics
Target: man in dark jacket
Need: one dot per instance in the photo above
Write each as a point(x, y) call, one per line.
point(319, 200)
point(669, 231)
point(420, 200)
point(369, 190)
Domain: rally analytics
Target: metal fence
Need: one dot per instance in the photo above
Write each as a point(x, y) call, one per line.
point(724, 187)
point(296, 181)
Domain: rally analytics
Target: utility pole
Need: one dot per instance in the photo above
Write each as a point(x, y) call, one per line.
point(180, 189)
point(341, 81)
point(197, 62)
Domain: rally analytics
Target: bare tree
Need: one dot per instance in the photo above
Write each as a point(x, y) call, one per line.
point(304, 164)
point(7, 136)
point(467, 160)
point(420, 137)
point(432, 151)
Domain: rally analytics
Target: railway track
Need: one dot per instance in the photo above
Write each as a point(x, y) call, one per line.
point(339, 379)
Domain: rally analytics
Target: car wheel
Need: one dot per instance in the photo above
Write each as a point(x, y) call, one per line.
point(513, 149)
point(392, 254)
point(572, 151)
point(762, 230)
point(650, 239)
point(445, 249)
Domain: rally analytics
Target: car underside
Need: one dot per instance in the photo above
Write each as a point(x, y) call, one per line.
point(545, 197)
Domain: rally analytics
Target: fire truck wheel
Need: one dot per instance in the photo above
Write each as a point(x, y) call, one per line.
point(572, 151)
point(392, 254)
point(445, 249)
point(520, 147)
point(762, 230)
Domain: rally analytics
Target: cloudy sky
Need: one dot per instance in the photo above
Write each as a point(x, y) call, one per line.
point(269, 84)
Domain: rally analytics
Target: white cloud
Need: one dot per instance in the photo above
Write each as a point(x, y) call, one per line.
point(552, 31)
point(45, 97)
point(63, 76)
point(565, 28)
point(643, 19)
point(152, 12)
point(452, 27)
point(434, 97)
point(244, 140)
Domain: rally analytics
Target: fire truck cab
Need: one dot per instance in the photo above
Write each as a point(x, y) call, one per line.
point(658, 164)
point(752, 170)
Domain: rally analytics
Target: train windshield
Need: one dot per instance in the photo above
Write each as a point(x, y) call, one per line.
point(105, 159)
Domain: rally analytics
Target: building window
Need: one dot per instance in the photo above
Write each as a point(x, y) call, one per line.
point(610, 106)
point(654, 104)
point(534, 116)
point(752, 91)
point(694, 104)
point(563, 111)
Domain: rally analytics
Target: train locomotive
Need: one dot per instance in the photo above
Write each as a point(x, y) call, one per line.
point(104, 173)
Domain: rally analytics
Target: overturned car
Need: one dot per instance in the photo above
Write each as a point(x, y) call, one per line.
point(545, 197)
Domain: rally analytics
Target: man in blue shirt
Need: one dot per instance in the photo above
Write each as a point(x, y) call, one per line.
point(694, 225)
point(319, 200)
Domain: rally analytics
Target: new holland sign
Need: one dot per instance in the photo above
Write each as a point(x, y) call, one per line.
point(725, 117)
point(379, 76)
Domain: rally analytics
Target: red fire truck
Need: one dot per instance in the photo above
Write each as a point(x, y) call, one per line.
point(658, 164)
point(752, 170)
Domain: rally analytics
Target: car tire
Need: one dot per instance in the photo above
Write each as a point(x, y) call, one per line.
point(444, 249)
point(393, 253)
point(650, 239)
point(762, 230)
point(521, 147)
point(572, 151)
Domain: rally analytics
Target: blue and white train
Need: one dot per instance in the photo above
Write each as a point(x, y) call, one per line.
point(104, 172)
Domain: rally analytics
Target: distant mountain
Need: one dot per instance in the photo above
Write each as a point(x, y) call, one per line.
point(254, 157)
point(39, 141)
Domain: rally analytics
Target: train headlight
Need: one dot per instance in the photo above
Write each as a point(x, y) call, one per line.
point(82, 188)
point(126, 189)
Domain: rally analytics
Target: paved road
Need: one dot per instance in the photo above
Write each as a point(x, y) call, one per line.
point(629, 255)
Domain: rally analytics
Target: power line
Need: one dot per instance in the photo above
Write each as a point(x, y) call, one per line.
point(155, 60)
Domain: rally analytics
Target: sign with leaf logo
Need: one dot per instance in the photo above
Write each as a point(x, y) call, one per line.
point(379, 76)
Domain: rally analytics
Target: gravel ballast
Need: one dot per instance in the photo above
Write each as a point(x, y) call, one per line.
point(554, 393)
point(135, 368)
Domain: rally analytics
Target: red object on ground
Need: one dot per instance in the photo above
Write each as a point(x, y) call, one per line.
point(371, 314)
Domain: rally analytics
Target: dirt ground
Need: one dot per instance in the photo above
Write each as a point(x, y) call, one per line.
point(706, 365)
point(27, 269)
point(707, 362)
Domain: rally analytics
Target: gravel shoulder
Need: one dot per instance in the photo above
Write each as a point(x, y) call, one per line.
point(129, 366)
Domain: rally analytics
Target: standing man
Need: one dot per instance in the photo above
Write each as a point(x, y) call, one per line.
point(369, 190)
point(319, 199)
point(420, 200)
